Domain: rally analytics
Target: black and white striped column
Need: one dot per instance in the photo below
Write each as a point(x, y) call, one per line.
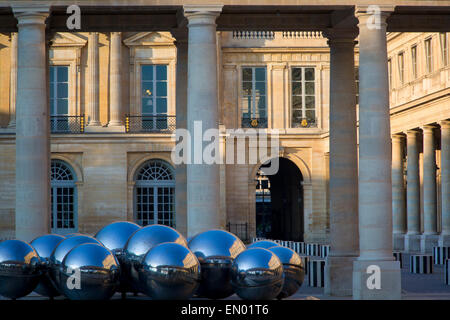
point(316, 275)
point(398, 257)
point(305, 260)
point(324, 250)
point(313, 249)
point(421, 264)
point(440, 254)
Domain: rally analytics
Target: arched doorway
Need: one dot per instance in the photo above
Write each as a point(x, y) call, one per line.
point(279, 203)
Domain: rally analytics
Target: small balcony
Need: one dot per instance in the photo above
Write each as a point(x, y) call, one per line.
point(160, 123)
point(305, 123)
point(253, 122)
point(67, 124)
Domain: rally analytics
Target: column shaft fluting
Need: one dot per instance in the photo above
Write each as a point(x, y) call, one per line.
point(413, 183)
point(445, 176)
point(398, 185)
point(32, 127)
point(13, 81)
point(429, 181)
point(115, 87)
point(202, 105)
point(93, 77)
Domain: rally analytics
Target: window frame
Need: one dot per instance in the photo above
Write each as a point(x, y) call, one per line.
point(414, 69)
point(401, 67)
point(428, 47)
point(444, 48)
point(303, 95)
point(253, 106)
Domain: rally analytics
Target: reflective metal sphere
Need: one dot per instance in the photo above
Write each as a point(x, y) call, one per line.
point(44, 246)
point(216, 250)
point(257, 274)
point(294, 270)
point(58, 254)
point(169, 271)
point(140, 243)
point(265, 244)
point(89, 272)
point(19, 269)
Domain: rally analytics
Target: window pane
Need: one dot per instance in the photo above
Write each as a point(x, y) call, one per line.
point(147, 89)
point(161, 105)
point(52, 107)
point(296, 102)
point(161, 72)
point(309, 87)
point(246, 104)
point(62, 74)
point(260, 88)
point(296, 88)
point(261, 107)
point(161, 89)
point(247, 88)
point(246, 74)
point(52, 90)
point(260, 74)
point(310, 114)
point(309, 102)
point(297, 116)
point(147, 106)
point(309, 74)
point(62, 90)
point(147, 72)
point(296, 74)
point(63, 107)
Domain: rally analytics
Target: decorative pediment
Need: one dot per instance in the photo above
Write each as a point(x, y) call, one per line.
point(149, 39)
point(67, 39)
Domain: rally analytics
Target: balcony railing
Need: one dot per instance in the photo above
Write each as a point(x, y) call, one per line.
point(67, 124)
point(152, 123)
point(254, 122)
point(305, 123)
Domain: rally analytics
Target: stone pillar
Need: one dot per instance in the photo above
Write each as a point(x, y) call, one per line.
point(181, 118)
point(375, 166)
point(412, 238)
point(93, 77)
point(429, 237)
point(343, 187)
point(445, 182)
point(13, 82)
point(398, 192)
point(202, 111)
point(32, 125)
point(115, 84)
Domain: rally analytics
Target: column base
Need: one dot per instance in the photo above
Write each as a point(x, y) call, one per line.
point(444, 240)
point(427, 242)
point(390, 280)
point(412, 243)
point(94, 128)
point(398, 241)
point(339, 276)
point(115, 128)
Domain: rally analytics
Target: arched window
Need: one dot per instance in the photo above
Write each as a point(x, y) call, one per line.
point(63, 198)
point(155, 194)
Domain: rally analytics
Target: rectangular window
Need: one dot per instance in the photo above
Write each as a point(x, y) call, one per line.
point(253, 97)
point(59, 98)
point(414, 61)
point(303, 104)
point(401, 68)
point(444, 48)
point(154, 97)
point(428, 55)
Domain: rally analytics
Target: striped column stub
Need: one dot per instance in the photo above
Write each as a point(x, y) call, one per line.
point(313, 249)
point(398, 257)
point(324, 251)
point(447, 272)
point(440, 254)
point(305, 260)
point(421, 263)
point(316, 275)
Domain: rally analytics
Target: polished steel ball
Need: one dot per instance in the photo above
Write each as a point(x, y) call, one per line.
point(44, 246)
point(257, 274)
point(294, 270)
point(89, 272)
point(216, 250)
point(169, 271)
point(140, 243)
point(20, 269)
point(60, 251)
point(265, 244)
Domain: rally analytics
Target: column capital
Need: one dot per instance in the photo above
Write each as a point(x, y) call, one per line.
point(28, 13)
point(116, 34)
point(202, 14)
point(337, 36)
point(445, 124)
point(373, 15)
point(398, 136)
point(428, 128)
point(412, 132)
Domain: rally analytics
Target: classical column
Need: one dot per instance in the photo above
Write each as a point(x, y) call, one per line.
point(115, 84)
point(202, 112)
point(398, 192)
point(343, 187)
point(181, 118)
point(93, 77)
point(412, 238)
point(32, 126)
point(13, 82)
point(429, 237)
point(445, 182)
point(375, 166)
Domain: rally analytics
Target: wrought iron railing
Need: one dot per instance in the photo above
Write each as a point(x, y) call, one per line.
point(240, 230)
point(152, 123)
point(304, 123)
point(67, 124)
point(253, 122)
